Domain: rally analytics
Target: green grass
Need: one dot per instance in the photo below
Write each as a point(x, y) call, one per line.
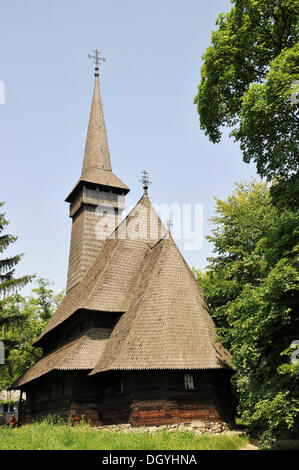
point(44, 435)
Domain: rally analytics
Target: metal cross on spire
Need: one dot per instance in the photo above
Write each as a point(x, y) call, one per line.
point(145, 181)
point(169, 225)
point(97, 59)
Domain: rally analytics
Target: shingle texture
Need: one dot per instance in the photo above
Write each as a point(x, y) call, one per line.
point(167, 325)
point(96, 166)
point(164, 322)
point(96, 149)
point(106, 190)
point(99, 176)
point(107, 285)
point(82, 353)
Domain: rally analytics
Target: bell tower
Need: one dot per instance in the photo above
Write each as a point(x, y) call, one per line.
point(98, 198)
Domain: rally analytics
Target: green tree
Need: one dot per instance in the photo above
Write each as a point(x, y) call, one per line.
point(35, 311)
point(9, 283)
point(251, 286)
point(45, 300)
point(247, 83)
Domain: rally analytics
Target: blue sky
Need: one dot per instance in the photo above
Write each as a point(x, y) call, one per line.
point(153, 52)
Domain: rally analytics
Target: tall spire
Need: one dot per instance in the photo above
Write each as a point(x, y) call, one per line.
point(96, 154)
point(98, 194)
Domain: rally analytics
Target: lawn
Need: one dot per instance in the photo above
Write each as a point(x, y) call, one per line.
point(42, 436)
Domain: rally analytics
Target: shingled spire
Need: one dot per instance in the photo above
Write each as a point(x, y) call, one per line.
point(96, 149)
point(97, 200)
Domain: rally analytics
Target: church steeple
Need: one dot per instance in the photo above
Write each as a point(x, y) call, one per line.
point(97, 199)
point(96, 167)
point(96, 150)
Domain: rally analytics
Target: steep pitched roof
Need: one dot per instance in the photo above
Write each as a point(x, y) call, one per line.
point(82, 353)
point(97, 176)
point(107, 285)
point(96, 149)
point(165, 323)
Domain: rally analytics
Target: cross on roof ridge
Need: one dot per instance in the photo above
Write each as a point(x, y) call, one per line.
point(169, 224)
point(145, 180)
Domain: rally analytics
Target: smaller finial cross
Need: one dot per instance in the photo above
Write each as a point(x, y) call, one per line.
point(145, 180)
point(97, 59)
point(169, 225)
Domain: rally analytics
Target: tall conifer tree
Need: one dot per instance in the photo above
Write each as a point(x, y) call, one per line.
point(8, 283)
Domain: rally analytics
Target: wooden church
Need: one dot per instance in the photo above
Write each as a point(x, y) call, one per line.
point(132, 341)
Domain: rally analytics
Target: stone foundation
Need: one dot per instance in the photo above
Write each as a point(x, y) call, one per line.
point(199, 427)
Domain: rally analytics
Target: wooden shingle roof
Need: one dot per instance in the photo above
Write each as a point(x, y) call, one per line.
point(167, 325)
point(164, 321)
point(81, 353)
point(107, 285)
point(101, 177)
point(96, 167)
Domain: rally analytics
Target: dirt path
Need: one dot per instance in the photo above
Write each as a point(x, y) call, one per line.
point(250, 447)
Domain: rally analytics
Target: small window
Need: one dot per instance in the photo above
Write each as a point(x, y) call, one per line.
point(5, 408)
point(189, 382)
point(121, 386)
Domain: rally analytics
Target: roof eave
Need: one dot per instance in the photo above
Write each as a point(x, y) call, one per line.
point(83, 181)
point(39, 341)
point(151, 368)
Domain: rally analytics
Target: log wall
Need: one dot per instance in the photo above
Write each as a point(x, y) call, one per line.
point(140, 398)
point(156, 398)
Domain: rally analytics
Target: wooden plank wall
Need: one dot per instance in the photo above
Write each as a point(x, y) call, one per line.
point(140, 398)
